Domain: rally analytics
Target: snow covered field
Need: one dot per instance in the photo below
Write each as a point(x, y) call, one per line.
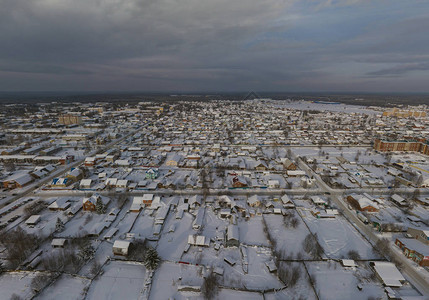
point(120, 280)
point(334, 282)
point(338, 237)
point(66, 287)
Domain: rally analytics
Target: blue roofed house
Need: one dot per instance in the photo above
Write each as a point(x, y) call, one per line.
point(152, 173)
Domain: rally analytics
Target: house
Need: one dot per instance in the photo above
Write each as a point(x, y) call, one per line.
point(33, 220)
point(122, 162)
point(225, 213)
point(349, 263)
point(226, 201)
point(295, 173)
point(17, 180)
point(89, 162)
point(289, 165)
point(173, 160)
point(194, 201)
point(58, 243)
point(136, 206)
point(419, 234)
point(198, 240)
point(75, 174)
point(261, 165)
point(399, 200)
point(273, 184)
point(253, 201)
point(199, 219)
point(121, 247)
point(122, 183)
point(85, 184)
point(152, 173)
point(147, 199)
point(111, 182)
point(388, 273)
point(109, 235)
point(318, 201)
point(362, 203)
point(59, 204)
point(232, 236)
point(90, 202)
point(415, 250)
point(60, 182)
point(287, 202)
point(239, 182)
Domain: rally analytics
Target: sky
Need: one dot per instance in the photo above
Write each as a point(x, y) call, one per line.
point(214, 45)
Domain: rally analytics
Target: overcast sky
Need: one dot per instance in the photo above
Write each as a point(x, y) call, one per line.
point(214, 45)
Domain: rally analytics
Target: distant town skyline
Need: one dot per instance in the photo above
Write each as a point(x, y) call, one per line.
point(215, 45)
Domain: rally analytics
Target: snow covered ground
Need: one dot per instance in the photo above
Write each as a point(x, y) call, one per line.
point(18, 283)
point(120, 280)
point(332, 281)
point(338, 237)
point(66, 287)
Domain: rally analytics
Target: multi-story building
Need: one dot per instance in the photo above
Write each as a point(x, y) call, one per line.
point(69, 119)
point(421, 146)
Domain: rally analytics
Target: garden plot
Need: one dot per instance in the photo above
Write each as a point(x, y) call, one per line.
point(213, 225)
point(81, 222)
point(302, 289)
point(120, 280)
point(142, 226)
point(102, 254)
point(46, 226)
point(258, 276)
point(169, 276)
point(337, 237)
point(172, 243)
point(252, 233)
point(421, 212)
point(289, 239)
point(66, 287)
point(18, 283)
point(301, 203)
point(332, 281)
point(238, 295)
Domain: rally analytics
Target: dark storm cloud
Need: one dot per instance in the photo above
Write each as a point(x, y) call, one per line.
point(210, 44)
point(401, 69)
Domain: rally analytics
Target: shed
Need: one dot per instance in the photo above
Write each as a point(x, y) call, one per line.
point(121, 247)
point(388, 273)
point(33, 220)
point(85, 183)
point(232, 236)
point(58, 243)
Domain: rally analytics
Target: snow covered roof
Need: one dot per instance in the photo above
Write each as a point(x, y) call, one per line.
point(33, 220)
point(122, 162)
point(122, 182)
point(365, 202)
point(58, 242)
point(120, 244)
point(85, 182)
point(253, 200)
point(388, 273)
point(348, 263)
point(147, 197)
point(285, 199)
point(232, 233)
point(197, 240)
point(398, 198)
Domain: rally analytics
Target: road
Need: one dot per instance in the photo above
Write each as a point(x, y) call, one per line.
point(421, 283)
